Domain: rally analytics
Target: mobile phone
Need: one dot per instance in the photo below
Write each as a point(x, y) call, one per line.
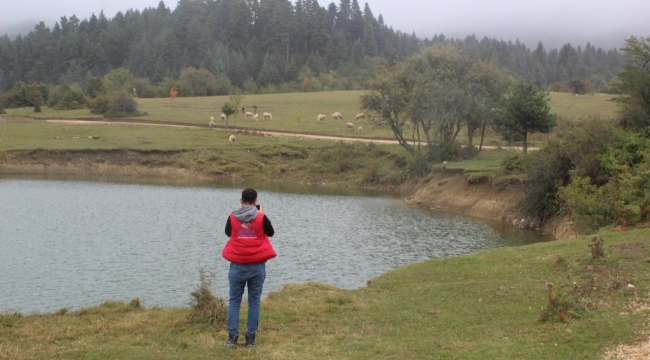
point(257, 206)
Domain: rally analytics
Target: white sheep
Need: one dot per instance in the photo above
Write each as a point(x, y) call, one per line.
point(337, 116)
point(267, 116)
point(350, 126)
point(408, 124)
point(223, 117)
point(321, 118)
point(232, 138)
point(212, 122)
point(360, 116)
point(255, 117)
point(249, 114)
point(360, 129)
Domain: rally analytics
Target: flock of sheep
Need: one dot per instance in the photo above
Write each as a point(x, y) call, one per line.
point(320, 118)
point(337, 116)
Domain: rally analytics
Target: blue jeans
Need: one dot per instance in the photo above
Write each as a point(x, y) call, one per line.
point(239, 276)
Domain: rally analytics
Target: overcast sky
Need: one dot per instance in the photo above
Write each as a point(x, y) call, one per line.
point(555, 22)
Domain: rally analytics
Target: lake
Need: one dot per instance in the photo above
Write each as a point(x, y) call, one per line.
point(75, 243)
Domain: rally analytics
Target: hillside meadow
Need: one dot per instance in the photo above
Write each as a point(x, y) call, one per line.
point(495, 304)
point(297, 113)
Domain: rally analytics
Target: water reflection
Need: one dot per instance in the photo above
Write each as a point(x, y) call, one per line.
point(71, 243)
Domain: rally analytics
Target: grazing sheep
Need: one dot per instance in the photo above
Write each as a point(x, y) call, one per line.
point(337, 116)
point(267, 116)
point(360, 116)
point(223, 117)
point(321, 118)
point(232, 138)
point(408, 124)
point(212, 122)
point(255, 117)
point(350, 126)
point(249, 114)
point(360, 129)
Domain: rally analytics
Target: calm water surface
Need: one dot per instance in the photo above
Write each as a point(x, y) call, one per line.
point(78, 243)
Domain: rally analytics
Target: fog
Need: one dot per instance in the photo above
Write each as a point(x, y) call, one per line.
point(605, 24)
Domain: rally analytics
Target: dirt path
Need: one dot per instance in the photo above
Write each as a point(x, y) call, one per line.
point(264, 132)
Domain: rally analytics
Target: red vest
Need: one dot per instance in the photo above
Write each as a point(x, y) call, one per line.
point(248, 243)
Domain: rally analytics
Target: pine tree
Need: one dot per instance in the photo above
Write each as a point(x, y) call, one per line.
point(369, 36)
point(356, 22)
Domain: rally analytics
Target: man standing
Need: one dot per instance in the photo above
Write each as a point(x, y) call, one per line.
point(247, 250)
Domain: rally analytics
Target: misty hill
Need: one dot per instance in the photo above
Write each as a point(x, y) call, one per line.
point(267, 45)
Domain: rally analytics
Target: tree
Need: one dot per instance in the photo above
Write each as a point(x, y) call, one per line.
point(35, 97)
point(118, 79)
point(199, 82)
point(388, 99)
point(228, 109)
point(236, 98)
point(524, 111)
point(635, 85)
point(485, 85)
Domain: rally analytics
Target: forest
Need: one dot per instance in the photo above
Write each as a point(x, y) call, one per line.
point(209, 47)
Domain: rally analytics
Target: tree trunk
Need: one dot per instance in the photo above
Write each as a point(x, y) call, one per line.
point(526, 142)
point(482, 135)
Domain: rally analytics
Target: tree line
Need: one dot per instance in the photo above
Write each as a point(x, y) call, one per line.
point(251, 43)
point(264, 46)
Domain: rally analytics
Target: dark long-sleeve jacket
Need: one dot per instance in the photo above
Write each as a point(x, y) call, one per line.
point(268, 227)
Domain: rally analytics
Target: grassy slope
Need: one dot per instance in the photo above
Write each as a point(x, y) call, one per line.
point(197, 150)
point(480, 306)
point(388, 319)
point(297, 112)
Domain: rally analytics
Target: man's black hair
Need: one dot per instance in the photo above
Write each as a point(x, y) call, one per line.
point(249, 195)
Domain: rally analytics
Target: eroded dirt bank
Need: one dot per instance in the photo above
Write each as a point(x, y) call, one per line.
point(449, 190)
point(446, 190)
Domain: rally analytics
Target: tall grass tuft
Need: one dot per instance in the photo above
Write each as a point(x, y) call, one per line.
point(204, 306)
point(597, 249)
point(561, 307)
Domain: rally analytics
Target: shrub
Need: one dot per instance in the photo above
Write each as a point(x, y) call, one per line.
point(561, 306)
point(99, 105)
point(511, 163)
point(121, 104)
point(419, 166)
point(25, 95)
point(575, 154)
point(591, 206)
point(205, 307)
point(71, 100)
point(57, 94)
point(558, 87)
point(596, 247)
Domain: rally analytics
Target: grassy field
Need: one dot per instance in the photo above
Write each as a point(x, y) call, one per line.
point(481, 306)
point(583, 106)
point(297, 112)
point(209, 152)
point(138, 150)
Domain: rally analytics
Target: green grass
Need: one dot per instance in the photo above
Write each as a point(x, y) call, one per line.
point(294, 112)
point(480, 306)
point(486, 160)
point(297, 112)
point(583, 106)
point(152, 151)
